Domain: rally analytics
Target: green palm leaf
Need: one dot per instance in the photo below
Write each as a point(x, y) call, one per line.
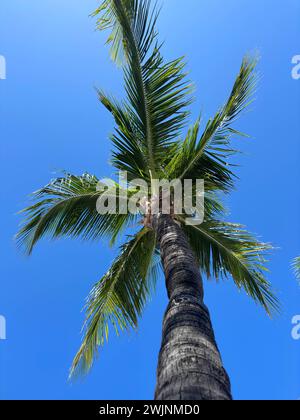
point(68, 207)
point(157, 92)
point(296, 266)
point(215, 172)
point(129, 154)
point(226, 249)
point(119, 298)
point(208, 158)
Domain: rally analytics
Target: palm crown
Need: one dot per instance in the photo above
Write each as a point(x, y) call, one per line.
point(147, 145)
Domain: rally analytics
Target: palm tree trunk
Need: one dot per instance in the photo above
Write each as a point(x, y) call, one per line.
point(190, 365)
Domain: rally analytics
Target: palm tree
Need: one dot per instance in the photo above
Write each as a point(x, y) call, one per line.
point(147, 146)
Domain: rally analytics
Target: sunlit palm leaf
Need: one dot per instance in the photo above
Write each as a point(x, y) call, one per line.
point(296, 266)
point(130, 154)
point(106, 20)
point(68, 207)
point(216, 173)
point(225, 249)
point(208, 158)
point(156, 91)
point(119, 298)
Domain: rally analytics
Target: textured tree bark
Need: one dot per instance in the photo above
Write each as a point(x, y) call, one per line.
point(190, 366)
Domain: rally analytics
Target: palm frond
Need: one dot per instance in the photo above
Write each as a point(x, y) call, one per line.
point(119, 298)
point(215, 172)
point(296, 267)
point(208, 158)
point(157, 91)
point(226, 249)
point(106, 20)
point(129, 154)
point(68, 207)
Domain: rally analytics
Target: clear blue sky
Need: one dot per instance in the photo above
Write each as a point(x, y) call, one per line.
point(50, 120)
